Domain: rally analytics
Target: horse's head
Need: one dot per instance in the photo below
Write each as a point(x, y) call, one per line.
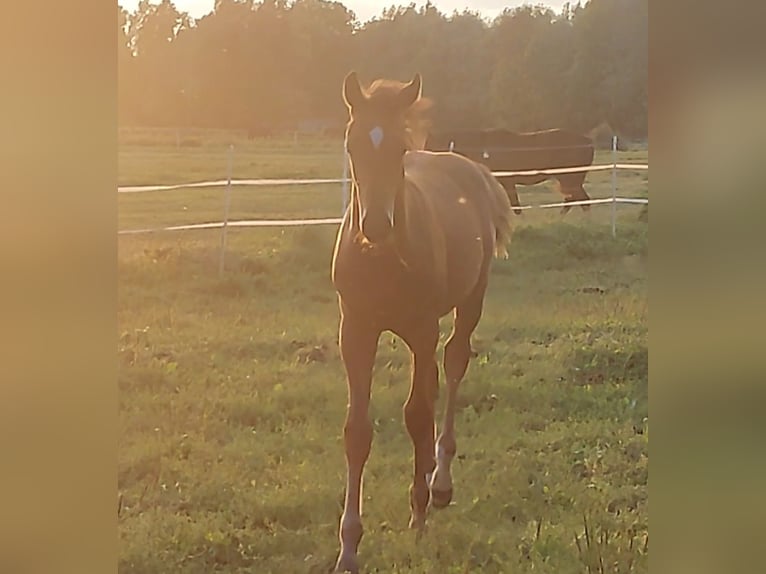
point(380, 130)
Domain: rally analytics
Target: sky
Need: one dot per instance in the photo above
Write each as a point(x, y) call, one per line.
point(367, 9)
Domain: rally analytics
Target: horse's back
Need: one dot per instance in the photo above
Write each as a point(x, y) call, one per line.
point(462, 194)
point(453, 208)
point(552, 137)
point(505, 150)
point(449, 181)
point(542, 150)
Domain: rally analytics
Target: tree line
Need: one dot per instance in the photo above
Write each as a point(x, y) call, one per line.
point(277, 65)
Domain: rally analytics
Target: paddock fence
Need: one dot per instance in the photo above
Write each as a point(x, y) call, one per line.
point(344, 181)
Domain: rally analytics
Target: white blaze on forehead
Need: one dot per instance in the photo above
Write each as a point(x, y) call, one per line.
point(376, 136)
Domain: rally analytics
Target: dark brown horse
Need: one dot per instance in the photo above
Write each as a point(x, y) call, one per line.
point(416, 243)
point(504, 150)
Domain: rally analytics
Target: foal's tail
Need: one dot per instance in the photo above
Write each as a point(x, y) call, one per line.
point(500, 205)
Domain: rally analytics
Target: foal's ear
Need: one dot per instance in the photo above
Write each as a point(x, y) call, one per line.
point(411, 92)
point(352, 91)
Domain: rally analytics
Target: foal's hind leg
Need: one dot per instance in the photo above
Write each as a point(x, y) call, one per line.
point(457, 354)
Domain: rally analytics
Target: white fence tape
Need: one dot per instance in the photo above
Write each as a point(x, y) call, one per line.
point(585, 202)
point(242, 223)
point(503, 149)
point(279, 182)
point(223, 183)
point(579, 169)
point(337, 220)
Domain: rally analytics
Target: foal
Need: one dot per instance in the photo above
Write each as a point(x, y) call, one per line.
point(416, 242)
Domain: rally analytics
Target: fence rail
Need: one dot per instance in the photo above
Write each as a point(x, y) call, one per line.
point(229, 182)
point(322, 181)
point(576, 169)
point(224, 183)
point(504, 149)
point(337, 220)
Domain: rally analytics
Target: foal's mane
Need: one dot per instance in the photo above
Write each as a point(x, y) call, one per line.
point(382, 94)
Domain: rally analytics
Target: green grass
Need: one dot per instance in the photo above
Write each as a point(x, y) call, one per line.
point(232, 394)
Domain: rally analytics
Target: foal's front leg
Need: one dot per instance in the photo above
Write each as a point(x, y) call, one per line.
point(419, 414)
point(358, 346)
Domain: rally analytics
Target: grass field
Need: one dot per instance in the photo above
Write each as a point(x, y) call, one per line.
point(232, 394)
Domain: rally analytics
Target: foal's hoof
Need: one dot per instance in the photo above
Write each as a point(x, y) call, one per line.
point(418, 524)
point(441, 498)
point(346, 563)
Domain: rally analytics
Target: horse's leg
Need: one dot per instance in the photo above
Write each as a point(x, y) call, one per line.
point(457, 353)
point(513, 196)
point(561, 186)
point(584, 196)
point(574, 191)
point(419, 413)
point(358, 346)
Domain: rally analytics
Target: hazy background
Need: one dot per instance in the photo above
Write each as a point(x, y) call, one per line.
point(366, 10)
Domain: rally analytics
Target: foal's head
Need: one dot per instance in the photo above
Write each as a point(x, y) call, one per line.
point(383, 125)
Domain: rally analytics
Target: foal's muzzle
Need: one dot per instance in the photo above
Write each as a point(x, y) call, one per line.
point(377, 228)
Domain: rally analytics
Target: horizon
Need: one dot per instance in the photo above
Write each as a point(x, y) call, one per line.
point(366, 10)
